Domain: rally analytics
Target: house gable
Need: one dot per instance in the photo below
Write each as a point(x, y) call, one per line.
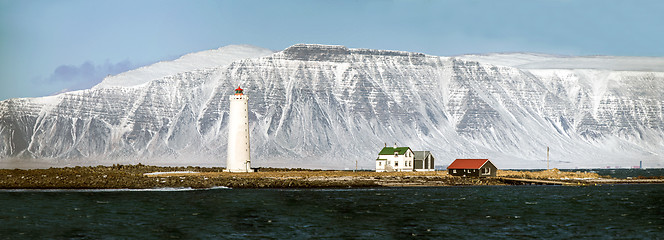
point(488, 164)
point(423, 161)
point(421, 155)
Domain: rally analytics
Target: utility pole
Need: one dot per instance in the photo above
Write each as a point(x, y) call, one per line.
point(547, 158)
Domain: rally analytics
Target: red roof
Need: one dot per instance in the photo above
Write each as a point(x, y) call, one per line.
point(467, 163)
point(238, 89)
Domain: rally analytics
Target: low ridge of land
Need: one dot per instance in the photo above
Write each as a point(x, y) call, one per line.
point(144, 177)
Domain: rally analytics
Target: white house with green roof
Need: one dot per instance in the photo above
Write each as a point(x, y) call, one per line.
point(395, 159)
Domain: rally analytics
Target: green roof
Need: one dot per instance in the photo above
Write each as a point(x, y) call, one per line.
point(392, 150)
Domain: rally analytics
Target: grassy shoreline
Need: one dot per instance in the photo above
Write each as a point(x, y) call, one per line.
point(134, 177)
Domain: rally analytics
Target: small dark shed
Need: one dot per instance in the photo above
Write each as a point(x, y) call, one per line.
point(472, 168)
point(423, 161)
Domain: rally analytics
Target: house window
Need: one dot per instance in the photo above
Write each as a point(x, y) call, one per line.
point(453, 170)
point(379, 163)
point(396, 154)
point(486, 170)
point(396, 164)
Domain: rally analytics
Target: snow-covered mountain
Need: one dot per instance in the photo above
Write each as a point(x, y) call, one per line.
point(329, 106)
point(189, 62)
point(543, 61)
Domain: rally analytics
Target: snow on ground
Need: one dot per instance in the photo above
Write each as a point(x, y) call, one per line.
point(168, 173)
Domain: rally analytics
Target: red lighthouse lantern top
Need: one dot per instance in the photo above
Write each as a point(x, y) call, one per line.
point(238, 91)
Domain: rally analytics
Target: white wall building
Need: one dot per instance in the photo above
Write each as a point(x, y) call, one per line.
point(395, 159)
point(238, 156)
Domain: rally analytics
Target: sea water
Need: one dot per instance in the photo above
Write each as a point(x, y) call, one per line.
point(474, 212)
point(627, 173)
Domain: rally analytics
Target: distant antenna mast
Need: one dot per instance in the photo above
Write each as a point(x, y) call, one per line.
point(547, 158)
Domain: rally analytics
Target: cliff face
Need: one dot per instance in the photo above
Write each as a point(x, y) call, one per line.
point(328, 106)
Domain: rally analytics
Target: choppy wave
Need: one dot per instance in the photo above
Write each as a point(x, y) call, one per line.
point(510, 212)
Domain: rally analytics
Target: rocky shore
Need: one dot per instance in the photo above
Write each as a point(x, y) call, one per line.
point(145, 177)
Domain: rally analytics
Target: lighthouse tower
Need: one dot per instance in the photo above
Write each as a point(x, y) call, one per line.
point(238, 134)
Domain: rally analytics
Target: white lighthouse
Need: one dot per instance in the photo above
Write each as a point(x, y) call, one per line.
point(238, 134)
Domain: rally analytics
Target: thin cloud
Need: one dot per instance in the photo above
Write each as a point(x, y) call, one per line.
point(87, 74)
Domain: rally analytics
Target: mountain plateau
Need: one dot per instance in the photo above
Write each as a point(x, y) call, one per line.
point(321, 106)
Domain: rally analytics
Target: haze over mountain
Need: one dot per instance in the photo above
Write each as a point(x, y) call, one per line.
point(321, 106)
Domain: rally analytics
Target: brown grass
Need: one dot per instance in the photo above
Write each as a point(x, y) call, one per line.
point(548, 174)
point(131, 176)
point(307, 174)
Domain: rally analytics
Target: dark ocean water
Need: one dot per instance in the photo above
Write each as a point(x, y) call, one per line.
point(628, 173)
point(477, 212)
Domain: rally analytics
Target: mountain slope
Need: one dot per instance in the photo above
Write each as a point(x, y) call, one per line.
point(543, 61)
point(189, 62)
point(329, 106)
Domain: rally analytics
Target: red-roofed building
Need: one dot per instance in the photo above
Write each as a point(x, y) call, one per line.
point(472, 168)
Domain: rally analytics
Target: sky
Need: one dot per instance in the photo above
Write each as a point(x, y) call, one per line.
point(52, 46)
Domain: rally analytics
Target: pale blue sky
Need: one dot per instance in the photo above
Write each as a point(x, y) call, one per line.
point(50, 45)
